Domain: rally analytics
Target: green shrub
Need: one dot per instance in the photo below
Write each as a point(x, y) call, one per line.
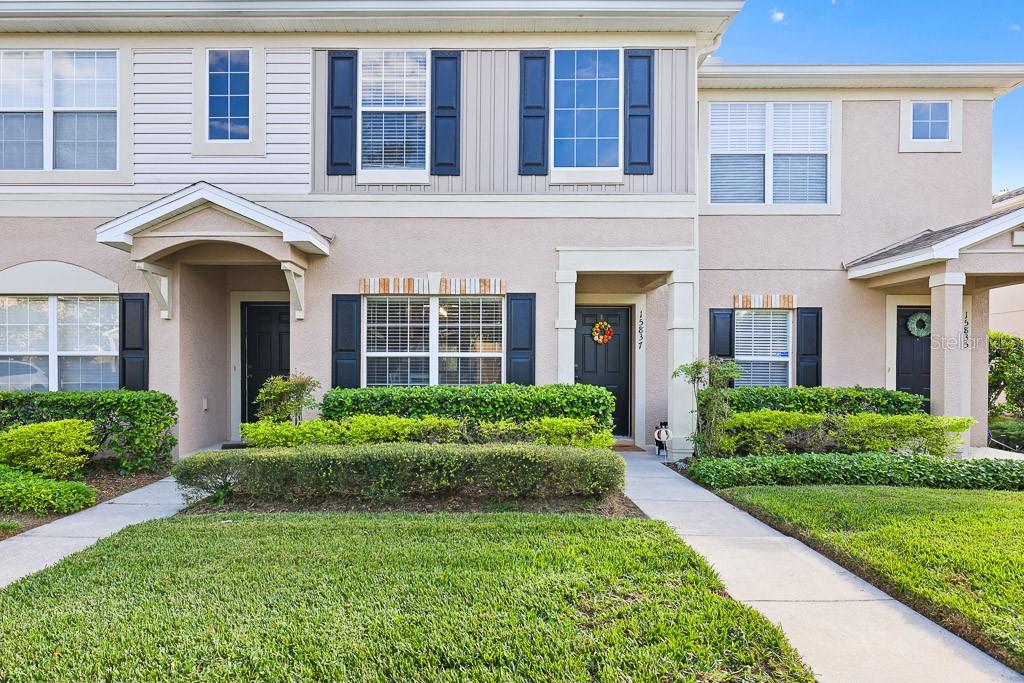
point(283, 398)
point(773, 432)
point(567, 431)
point(1009, 433)
point(481, 403)
point(360, 429)
point(843, 400)
point(22, 491)
point(56, 449)
point(383, 471)
point(710, 381)
point(134, 425)
point(868, 469)
point(8, 526)
point(1005, 374)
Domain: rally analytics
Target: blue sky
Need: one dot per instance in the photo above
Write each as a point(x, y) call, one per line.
point(887, 31)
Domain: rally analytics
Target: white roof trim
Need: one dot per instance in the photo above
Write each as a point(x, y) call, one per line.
point(943, 251)
point(119, 232)
point(1000, 77)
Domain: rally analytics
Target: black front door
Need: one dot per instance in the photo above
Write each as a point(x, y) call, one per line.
point(606, 365)
point(264, 349)
point(913, 353)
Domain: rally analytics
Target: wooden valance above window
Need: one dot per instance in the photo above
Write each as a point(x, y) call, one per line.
point(781, 301)
point(433, 283)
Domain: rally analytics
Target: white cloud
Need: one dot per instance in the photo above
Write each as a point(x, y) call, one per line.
point(778, 15)
point(714, 59)
point(1015, 28)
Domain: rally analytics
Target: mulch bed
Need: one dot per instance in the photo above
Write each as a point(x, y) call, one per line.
point(614, 505)
point(109, 484)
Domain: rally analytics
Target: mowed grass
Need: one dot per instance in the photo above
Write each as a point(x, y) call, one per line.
point(386, 597)
point(956, 555)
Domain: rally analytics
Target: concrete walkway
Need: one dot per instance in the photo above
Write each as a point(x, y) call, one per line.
point(844, 628)
point(45, 545)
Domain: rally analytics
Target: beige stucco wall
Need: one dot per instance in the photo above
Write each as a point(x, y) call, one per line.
point(1006, 309)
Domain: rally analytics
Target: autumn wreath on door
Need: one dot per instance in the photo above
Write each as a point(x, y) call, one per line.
point(602, 332)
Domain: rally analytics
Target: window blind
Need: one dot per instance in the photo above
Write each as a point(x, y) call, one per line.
point(762, 341)
point(737, 178)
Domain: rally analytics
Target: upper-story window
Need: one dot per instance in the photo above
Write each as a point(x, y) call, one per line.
point(58, 110)
point(229, 88)
point(586, 131)
point(769, 153)
point(930, 121)
point(393, 131)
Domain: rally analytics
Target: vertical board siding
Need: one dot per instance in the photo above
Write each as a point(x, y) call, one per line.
point(490, 132)
point(164, 95)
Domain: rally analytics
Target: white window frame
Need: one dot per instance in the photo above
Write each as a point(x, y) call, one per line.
point(955, 142)
point(434, 353)
point(404, 176)
point(559, 175)
point(206, 69)
point(775, 359)
point(49, 110)
point(769, 155)
point(53, 353)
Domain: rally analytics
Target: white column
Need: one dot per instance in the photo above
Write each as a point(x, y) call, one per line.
point(948, 350)
point(682, 348)
point(565, 326)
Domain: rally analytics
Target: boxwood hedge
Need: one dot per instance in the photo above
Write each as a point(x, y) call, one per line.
point(134, 425)
point(22, 491)
point(482, 403)
point(868, 469)
point(385, 471)
point(843, 400)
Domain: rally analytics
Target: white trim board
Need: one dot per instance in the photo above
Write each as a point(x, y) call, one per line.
point(638, 354)
point(234, 378)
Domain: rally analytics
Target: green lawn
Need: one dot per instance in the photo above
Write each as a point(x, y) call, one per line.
point(956, 555)
point(386, 597)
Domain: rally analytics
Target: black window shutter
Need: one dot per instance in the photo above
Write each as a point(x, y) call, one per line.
point(639, 112)
point(444, 111)
point(808, 347)
point(522, 339)
point(341, 111)
point(345, 342)
point(722, 345)
point(134, 360)
point(533, 112)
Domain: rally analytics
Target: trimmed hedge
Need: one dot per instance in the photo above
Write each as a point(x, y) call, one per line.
point(56, 449)
point(387, 471)
point(773, 432)
point(868, 469)
point(22, 491)
point(1009, 432)
point(134, 425)
point(360, 429)
point(843, 400)
point(480, 403)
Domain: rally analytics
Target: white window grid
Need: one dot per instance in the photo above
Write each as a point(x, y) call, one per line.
point(764, 336)
point(206, 123)
point(931, 120)
point(53, 350)
point(403, 175)
point(766, 141)
point(49, 108)
point(434, 353)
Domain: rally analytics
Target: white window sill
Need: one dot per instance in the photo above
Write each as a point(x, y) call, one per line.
point(570, 176)
point(393, 177)
point(710, 209)
point(936, 146)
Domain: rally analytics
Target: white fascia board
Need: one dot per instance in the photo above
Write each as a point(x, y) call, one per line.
point(1001, 78)
point(119, 232)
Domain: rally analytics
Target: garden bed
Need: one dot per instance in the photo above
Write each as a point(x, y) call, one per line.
point(510, 597)
point(104, 477)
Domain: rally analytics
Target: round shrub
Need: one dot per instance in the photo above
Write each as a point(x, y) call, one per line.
point(57, 449)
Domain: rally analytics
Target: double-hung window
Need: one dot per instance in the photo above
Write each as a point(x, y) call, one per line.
point(763, 338)
point(769, 153)
point(58, 110)
point(393, 130)
point(228, 91)
point(930, 121)
point(58, 343)
point(587, 123)
point(421, 340)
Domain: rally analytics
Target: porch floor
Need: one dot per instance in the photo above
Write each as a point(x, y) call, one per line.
point(844, 628)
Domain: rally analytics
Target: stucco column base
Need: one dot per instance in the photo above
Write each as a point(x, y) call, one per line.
point(565, 326)
point(682, 348)
point(948, 350)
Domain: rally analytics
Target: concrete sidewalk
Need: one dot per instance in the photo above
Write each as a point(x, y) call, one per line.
point(45, 545)
point(844, 628)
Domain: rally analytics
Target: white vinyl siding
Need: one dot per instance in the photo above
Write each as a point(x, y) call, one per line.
point(420, 340)
point(763, 340)
point(769, 153)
